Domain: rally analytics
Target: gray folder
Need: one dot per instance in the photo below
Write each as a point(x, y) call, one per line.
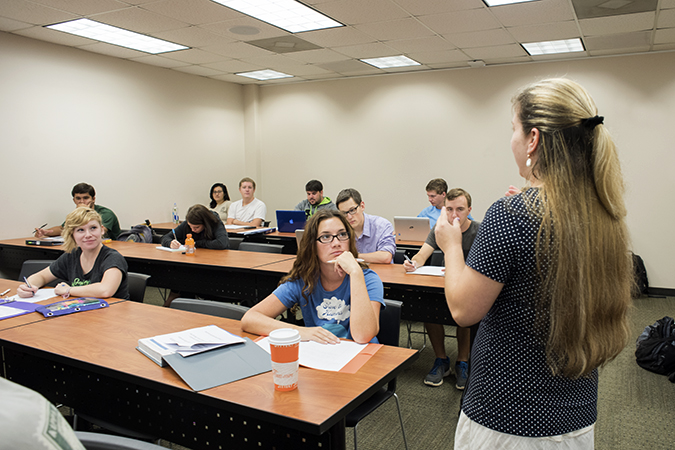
point(221, 366)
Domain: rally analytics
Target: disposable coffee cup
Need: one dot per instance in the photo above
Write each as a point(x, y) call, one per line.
point(284, 347)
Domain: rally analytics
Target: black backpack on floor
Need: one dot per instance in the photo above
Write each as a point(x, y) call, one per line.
point(656, 348)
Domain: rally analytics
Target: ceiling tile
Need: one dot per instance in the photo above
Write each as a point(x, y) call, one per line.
point(32, 13)
point(193, 11)
point(480, 38)
point(461, 21)
point(666, 19)
point(83, 7)
point(234, 66)
point(236, 50)
point(423, 8)
point(193, 56)
point(279, 62)
point(665, 36)
point(236, 79)
point(192, 37)
point(429, 58)
point(350, 12)
point(624, 41)
point(374, 50)
point(619, 51)
point(323, 55)
point(614, 24)
point(198, 70)
point(350, 66)
point(395, 29)
point(139, 20)
point(307, 69)
point(589, 9)
point(337, 37)
point(497, 52)
point(233, 29)
point(111, 50)
point(425, 44)
point(545, 31)
point(667, 4)
point(159, 61)
point(12, 25)
point(532, 12)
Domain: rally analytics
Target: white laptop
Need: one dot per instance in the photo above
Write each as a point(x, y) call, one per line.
point(411, 228)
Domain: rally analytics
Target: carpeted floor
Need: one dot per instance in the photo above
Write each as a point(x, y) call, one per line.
point(636, 408)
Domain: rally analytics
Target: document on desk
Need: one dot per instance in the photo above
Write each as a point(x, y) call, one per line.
point(167, 249)
point(436, 271)
point(238, 227)
point(330, 357)
point(41, 294)
point(14, 308)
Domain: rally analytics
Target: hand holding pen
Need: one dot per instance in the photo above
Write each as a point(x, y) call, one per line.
point(175, 243)
point(409, 265)
point(26, 290)
point(39, 232)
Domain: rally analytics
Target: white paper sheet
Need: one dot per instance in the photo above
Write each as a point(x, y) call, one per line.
point(436, 271)
point(41, 294)
point(331, 357)
point(167, 249)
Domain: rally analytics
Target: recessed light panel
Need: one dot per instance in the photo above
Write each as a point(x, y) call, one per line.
point(263, 75)
point(116, 36)
point(391, 61)
point(552, 47)
point(289, 15)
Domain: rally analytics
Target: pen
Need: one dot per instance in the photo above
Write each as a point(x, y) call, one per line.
point(39, 228)
point(410, 261)
point(174, 234)
point(6, 291)
point(27, 283)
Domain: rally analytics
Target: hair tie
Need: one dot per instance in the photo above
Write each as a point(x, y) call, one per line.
point(592, 122)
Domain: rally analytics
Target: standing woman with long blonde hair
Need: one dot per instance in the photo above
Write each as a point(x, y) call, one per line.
point(549, 276)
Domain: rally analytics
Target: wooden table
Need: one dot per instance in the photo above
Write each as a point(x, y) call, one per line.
point(88, 361)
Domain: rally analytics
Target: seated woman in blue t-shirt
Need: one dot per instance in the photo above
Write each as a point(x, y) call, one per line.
point(90, 268)
point(339, 297)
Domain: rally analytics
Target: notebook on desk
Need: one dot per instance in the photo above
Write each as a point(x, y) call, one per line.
point(289, 221)
point(411, 228)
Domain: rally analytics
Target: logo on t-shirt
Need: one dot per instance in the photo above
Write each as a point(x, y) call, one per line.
point(333, 309)
point(78, 282)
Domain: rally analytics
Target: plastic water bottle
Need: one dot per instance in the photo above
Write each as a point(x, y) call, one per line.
point(174, 216)
point(189, 245)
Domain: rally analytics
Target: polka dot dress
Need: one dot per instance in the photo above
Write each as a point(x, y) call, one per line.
point(511, 389)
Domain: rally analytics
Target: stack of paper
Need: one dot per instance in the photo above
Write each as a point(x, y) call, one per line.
point(186, 343)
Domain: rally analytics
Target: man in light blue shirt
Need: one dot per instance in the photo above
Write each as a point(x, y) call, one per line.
point(436, 191)
point(375, 239)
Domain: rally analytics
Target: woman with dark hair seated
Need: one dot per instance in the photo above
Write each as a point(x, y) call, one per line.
point(205, 226)
point(220, 200)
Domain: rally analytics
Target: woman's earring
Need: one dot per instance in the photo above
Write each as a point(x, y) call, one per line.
point(528, 163)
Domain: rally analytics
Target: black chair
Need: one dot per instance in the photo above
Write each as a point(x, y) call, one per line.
point(220, 309)
point(99, 441)
point(390, 328)
point(137, 283)
point(399, 256)
point(31, 266)
point(437, 259)
point(234, 242)
point(260, 247)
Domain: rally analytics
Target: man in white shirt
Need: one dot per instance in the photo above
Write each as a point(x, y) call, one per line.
point(249, 210)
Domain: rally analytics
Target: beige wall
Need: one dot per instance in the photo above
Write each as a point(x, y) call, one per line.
point(146, 137)
point(387, 136)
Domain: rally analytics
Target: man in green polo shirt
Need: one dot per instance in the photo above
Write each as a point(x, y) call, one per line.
point(85, 195)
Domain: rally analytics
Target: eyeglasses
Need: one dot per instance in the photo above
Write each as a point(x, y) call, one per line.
point(352, 211)
point(218, 191)
point(328, 238)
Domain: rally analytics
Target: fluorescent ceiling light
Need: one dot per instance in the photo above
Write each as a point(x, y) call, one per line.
point(266, 74)
point(551, 47)
point(505, 2)
point(391, 61)
point(116, 36)
point(289, 15)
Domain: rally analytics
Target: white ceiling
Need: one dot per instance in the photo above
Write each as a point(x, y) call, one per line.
point(439, 34)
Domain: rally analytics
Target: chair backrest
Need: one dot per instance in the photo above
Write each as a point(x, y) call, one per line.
point(235, 242)
point(137, 283)
point(100, 441)
point(399, 256)
point(260, 247)
point(298, 235)
point(390, 323)
point(220, 309)
point(31, 266)
point(437, 259)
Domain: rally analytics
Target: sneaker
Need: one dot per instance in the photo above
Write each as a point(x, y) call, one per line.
point(441, 369)
point(462, 371)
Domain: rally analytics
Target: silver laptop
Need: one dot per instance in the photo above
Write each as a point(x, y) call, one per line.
point(411, 228)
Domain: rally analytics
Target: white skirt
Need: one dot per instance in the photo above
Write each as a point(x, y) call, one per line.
point(473, 436)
